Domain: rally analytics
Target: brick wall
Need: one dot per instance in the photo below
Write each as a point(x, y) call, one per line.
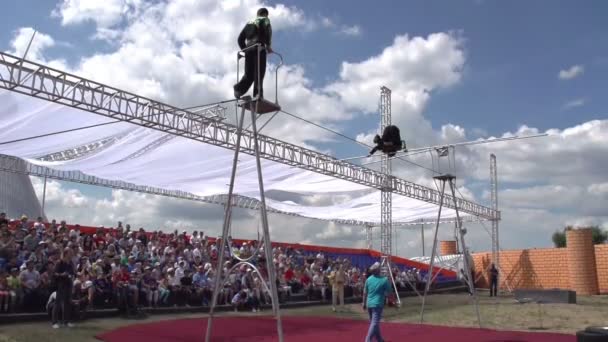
point(448, 247)
point(543, 268)
point(528, 268)
point(601, 263)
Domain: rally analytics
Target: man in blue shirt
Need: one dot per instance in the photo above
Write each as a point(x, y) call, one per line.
point(374, 295)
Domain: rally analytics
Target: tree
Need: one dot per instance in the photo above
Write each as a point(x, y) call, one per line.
point(559, 239)
point(599, 236)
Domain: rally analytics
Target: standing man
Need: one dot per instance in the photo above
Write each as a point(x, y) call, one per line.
point(64, 280)
point(493, 281)
point(257, 31)
point(338, 278)
point(374, 295)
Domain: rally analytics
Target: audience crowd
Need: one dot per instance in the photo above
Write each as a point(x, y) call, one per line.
point(129, 269)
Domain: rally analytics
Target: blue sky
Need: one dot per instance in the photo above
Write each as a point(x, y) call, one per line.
point(514, 52)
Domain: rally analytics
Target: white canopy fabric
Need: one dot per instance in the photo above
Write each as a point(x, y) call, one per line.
point(151, 158)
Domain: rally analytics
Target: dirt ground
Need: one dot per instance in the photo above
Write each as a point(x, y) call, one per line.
point(502, 313)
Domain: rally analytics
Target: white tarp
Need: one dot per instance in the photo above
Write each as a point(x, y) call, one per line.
point(151, 158)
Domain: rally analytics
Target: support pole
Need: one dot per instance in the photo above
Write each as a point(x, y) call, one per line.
point(465, 254)
point(386, 216)
point(494, 199)
point(429, 273)
point(267, 243)
point(369, 237)
point(422, 237)
point(43, 197)
point(225, 229)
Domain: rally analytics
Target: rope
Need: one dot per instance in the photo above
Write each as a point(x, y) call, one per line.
point(59, 132)
point(210, 104)
point(351, 139)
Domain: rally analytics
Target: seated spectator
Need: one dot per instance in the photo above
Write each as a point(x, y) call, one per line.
point(4, 292)
point(30, 280)
point(185, 289)
point(239, 301)
point(149, 287)
point(103, 290)
point(15, 289)
point(163, 290)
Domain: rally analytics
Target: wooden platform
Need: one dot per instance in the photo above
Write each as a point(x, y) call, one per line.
point(263, 106)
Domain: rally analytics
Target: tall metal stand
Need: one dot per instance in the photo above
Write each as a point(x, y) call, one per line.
point(494, 198)
point(461, 232)
point(386, 217)
point(255, 106)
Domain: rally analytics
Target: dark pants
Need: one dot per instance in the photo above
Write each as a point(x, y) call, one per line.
point(63, 302)
point(251, 73)
point(493, 287)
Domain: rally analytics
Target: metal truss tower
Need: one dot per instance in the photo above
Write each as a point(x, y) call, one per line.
point(494, 199)
point(386, 206)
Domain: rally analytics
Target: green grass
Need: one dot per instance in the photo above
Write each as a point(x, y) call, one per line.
point(502, 313)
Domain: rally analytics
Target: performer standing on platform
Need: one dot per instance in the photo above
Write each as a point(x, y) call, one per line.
point(257, 31)
point(374, 295)
point(493, 281)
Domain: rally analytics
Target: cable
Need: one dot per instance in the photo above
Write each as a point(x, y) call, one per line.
point(351, 139)
point(327, 129)
point(210, 104)
point(59, 132)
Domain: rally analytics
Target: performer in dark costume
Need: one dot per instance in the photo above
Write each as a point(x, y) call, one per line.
point(390, 142)
point(257, 31)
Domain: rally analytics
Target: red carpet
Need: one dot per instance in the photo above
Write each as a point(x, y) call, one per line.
point(313, 329)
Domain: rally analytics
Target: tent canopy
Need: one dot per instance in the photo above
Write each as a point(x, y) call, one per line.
point(125, 152)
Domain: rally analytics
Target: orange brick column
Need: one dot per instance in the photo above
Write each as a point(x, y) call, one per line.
point(447, 247)
point(581, 261)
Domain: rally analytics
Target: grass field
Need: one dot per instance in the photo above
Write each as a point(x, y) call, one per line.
point(453, 310)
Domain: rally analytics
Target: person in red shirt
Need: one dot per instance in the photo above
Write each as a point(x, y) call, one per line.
point(306, 282)
point(289, 275)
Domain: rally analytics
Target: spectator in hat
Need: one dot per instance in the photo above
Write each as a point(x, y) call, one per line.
point(374, 295)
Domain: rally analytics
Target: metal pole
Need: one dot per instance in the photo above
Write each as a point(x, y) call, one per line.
point(43, 197)
point(432, 261)
point(494, 198)
point(465, 254)
point(422, 236)
point(226, 227)
point(267, 242)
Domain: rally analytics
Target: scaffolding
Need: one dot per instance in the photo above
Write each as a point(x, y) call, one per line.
point(386, 206)
point(450, 180)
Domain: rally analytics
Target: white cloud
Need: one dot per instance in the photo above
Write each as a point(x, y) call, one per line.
point(575, 103)
point(354, 30)
point(104, 14)
point(572, 72)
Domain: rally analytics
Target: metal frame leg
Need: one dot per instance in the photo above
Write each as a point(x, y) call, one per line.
point(267, 243)
point(465, 255)
point(433, 252)
point(225, 229)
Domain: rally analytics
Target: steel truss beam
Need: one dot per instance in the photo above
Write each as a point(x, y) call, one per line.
point(25, 77)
